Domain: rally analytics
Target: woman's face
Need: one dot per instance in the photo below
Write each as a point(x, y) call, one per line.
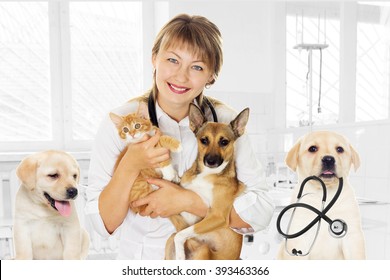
point(180, 76)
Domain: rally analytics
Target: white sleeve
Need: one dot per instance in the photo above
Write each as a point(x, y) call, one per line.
point(105, 151)
point(254, 205)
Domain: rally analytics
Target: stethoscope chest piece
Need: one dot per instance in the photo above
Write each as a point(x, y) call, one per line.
point(338, 228)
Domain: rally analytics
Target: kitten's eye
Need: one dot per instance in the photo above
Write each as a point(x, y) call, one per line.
point(137, 126)
point(313, 149)
point(340, 150)
point(224, 142)
point(204, 140)
point(125, 129)
point(53, 176)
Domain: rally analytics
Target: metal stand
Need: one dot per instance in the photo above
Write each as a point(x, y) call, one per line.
point(310, 48)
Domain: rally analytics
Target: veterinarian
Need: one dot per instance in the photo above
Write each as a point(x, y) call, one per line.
point(187, 58)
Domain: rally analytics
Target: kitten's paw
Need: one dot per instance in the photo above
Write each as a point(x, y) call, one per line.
point(178, 149)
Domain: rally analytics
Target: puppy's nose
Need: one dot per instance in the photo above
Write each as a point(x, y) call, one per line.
point(328, 161)
point(71, 192)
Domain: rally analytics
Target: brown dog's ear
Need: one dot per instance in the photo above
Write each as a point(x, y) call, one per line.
point(27, 172)
point(196, 117)
point(239, 123)
point(355, 158)
point(292, 156)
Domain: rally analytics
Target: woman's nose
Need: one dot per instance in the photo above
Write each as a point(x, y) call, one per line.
point(182, 74)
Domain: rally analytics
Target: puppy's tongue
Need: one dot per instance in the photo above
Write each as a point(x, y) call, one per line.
point(63, 207)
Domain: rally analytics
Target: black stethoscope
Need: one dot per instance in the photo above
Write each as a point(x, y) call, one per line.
point(153, 115)
point(337, 228)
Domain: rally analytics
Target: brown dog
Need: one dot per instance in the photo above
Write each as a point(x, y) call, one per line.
point(213, 177)
point(46, 223)
point(328, 156)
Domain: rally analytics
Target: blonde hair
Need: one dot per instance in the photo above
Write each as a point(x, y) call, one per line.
point(198, 34)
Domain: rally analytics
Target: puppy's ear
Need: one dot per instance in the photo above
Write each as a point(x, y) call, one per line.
point(239, 123)
point(197, 119)
point(116, 119)
point(27, 172)
point(355, 158)
point(292, 156)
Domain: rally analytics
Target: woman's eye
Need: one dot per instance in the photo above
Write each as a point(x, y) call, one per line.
point(340, 150)
point(125, 129)
point(313, 149)
point(173, 60)
point(197, 68)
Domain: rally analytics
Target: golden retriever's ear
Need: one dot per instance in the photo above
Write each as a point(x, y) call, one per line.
point(355, 158)
point(27, 172)
point(292, 156)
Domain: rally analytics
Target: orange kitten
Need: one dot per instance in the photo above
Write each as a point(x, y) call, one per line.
point(131, 128)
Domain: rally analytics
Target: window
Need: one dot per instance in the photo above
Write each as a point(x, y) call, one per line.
point(106, 55)
point(58, 80)
point(25, 98)
point(372, 63)
point(317, 29)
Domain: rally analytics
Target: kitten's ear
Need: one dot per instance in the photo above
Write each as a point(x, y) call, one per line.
point(116, 119)
point(143, 110)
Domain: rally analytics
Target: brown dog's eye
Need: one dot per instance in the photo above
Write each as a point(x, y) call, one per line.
point(313, 149)
point(54, 176)
point(340, 150)
point(223, 142)
point(204, 140)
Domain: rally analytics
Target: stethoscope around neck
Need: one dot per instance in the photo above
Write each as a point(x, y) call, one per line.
point(153, 114)
point(337, 227)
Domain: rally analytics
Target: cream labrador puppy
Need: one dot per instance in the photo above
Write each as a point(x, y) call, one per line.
point(328, 156)
point(46, 223)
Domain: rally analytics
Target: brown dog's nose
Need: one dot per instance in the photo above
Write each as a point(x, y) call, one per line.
point(212, 161)
point(328, 161)
point(71, 192)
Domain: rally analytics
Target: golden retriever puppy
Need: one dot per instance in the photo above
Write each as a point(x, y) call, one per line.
point(46, 223)
point(328, 156)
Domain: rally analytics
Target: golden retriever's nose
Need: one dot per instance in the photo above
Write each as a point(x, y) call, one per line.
point(328, 161)
point(71, 192)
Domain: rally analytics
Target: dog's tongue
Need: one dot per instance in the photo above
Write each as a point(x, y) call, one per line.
point(63, 207)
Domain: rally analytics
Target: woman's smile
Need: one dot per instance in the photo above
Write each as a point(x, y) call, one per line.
point(178, 89)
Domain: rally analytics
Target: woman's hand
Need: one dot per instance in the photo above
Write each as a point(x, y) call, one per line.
point(170, 199)
point(144, 154)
